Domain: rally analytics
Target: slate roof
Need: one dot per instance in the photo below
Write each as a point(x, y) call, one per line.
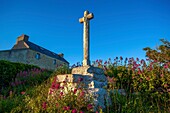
point(44, 51)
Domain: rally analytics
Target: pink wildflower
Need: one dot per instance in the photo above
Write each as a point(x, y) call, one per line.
point(81, 112)
point(23, 92)
point(165, 85)
point(82, 94)
point(147, 78)
point(67, 108)
point(162, 75)
point(10, 93)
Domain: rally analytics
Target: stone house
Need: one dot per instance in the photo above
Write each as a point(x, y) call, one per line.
point(27, 52)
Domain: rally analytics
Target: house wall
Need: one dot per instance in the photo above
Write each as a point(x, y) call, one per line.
point(44, 61)
point(14, 55)
point(27, 56)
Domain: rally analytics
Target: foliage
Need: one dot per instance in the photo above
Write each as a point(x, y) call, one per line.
point(62, 69)
point(141, 80)
point(9, 70)
point(25, 79)
point(161, 53)
point(57, 98)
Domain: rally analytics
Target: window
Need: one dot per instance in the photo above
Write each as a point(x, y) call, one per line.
point(54, 62)
point(37, 56)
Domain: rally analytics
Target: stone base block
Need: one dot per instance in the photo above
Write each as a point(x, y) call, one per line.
point(101, 98)
point(86, 70)
point(86, 80)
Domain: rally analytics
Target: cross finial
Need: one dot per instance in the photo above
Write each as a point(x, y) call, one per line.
point(86, 57)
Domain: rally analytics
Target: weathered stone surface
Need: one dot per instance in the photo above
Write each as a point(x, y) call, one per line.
point(96, 84)
point(86, 70)
point(87, 80)
point(86, 45)
point(101, 97)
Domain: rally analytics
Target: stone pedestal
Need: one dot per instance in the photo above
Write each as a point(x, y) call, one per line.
point(94, 81)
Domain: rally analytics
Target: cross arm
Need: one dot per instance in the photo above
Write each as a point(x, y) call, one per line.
point(81, 20)
point(90, 16)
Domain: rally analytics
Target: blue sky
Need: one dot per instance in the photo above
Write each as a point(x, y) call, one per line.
point(119, 28)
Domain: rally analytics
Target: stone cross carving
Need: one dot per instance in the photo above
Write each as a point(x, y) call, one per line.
point(86, 38)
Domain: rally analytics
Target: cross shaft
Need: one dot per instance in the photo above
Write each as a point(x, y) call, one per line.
point(86, 37)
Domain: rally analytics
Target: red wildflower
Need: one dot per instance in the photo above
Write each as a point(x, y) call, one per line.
point(53, 85)
point(81, 112)
point(57, 105)
point(61, 93)
point(96, 60)
point(74, 111)
point(137, 59)
point(75, 90)
point(89, 106)
point(57, 86)
point(139, 71)
point(80, 79)
point(121, 58)
point(44, 105)
point(62, 87)
point(67, 108)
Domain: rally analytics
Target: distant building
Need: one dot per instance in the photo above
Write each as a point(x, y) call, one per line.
point(27, 52)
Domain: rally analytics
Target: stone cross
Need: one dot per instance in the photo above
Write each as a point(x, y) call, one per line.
point(86, 44)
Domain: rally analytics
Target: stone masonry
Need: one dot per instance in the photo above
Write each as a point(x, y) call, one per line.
point(93, 77)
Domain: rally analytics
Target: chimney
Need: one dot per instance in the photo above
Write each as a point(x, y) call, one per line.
point(22, 38)
point(61, 55)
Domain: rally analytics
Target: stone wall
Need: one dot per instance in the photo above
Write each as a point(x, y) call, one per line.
point(27, 56)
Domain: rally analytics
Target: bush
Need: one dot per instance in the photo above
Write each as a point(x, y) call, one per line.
point(9, 70)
